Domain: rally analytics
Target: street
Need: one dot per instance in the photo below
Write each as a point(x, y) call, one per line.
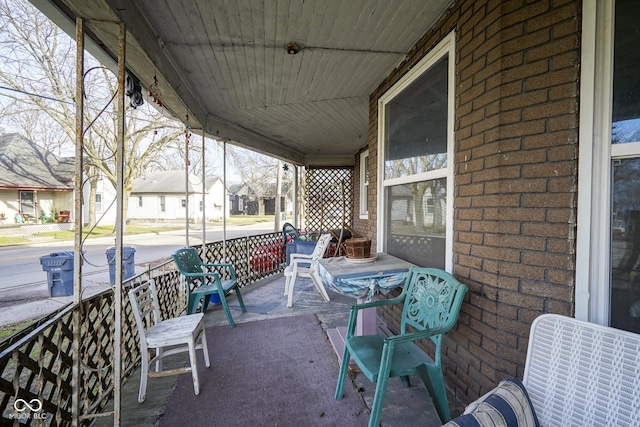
point(24, 290)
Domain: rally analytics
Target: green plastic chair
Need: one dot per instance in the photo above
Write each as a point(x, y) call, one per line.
point(194, 270)
point(432, 300)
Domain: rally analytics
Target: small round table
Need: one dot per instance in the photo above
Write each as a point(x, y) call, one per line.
point(362, 279)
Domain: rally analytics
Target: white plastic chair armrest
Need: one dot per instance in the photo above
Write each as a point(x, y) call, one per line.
point(295, 257)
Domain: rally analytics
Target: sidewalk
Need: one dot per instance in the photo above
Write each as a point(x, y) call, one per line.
point(17, 305)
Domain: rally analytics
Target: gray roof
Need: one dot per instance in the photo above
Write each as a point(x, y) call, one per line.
point(160, 182)
point(25, 165)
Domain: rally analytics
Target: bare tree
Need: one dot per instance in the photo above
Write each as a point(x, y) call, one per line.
point(262, 174)
point(39, 67)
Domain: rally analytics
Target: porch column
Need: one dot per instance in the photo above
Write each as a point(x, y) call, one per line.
point(77, 245)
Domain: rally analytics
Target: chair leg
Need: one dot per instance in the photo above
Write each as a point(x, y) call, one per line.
point(317, 282)
point(227, 312)
point(159, 359)
point(286, 285)
point(240, 300)
point(405, 381)
point(194, 367)
point(378, 401)
point(342, 377)
point(381, 386)
point(433, 380)
point(205, 302)
point(205, 349)
point(292, 284)
point(144, 374)
point(192, 303)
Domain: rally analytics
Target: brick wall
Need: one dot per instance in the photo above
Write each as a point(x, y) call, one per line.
point(516, 119)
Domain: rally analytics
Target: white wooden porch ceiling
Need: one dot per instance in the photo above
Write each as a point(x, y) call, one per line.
point(225, 63)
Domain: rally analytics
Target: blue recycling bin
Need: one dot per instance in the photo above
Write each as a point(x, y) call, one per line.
point(59, 268)
point(128, 263)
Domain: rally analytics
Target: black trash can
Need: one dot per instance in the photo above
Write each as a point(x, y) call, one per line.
point(128, 263)
point(59, 268)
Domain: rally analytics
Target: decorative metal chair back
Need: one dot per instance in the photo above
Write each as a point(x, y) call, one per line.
point(432, 302)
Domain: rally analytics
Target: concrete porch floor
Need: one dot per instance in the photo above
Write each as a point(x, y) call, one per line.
point(265, 300)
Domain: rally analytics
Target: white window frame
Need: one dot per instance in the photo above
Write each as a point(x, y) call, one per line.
point(364, 186)
point(446, 46)
point(593, 239)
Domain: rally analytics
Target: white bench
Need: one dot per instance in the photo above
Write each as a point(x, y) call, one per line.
point(582, 374)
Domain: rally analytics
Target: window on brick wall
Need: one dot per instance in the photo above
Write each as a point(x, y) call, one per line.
point(607, 261)
point(416, 146)
point(364, 185)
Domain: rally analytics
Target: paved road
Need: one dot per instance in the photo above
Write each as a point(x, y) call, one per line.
point(24, 290)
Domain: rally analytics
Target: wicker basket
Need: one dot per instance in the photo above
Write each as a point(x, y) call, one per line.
point(358, 248)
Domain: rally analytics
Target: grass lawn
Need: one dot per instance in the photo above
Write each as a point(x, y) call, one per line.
point(107, 231)
point(8, 330)
point(246, 219)
point(8, 241)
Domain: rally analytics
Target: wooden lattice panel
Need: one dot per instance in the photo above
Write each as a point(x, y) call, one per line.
point(37, 363)
point(329, 199)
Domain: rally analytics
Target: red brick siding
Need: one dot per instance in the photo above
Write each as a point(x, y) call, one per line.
point(516, 119)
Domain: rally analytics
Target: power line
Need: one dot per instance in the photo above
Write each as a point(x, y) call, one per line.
point(140, 119)
point(37, 95)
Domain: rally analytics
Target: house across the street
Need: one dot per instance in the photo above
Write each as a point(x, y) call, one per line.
point(169, 195)
point(35, 185)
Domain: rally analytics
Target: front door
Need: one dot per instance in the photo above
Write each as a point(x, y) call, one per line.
point(27, 205)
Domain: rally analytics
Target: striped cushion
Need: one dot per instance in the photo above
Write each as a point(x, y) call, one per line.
point(507, 405)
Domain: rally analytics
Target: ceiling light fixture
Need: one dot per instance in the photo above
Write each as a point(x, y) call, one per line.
point(293, 49)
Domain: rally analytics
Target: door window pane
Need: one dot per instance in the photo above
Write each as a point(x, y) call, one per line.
point(625, 245)
point(625, 200)
point(626, 69)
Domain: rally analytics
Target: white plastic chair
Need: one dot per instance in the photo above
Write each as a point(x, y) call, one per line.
point(306, 265)
point(582, 374)
point(155, 333)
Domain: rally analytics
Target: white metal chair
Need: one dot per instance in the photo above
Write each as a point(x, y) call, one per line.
point(155, 333)
point(306, 265)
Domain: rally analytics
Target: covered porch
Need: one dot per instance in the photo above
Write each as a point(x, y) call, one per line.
point(472, 133)
point(264, 302)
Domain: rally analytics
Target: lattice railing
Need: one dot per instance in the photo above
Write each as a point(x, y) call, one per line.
point(36, 364)
point(329, 199)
